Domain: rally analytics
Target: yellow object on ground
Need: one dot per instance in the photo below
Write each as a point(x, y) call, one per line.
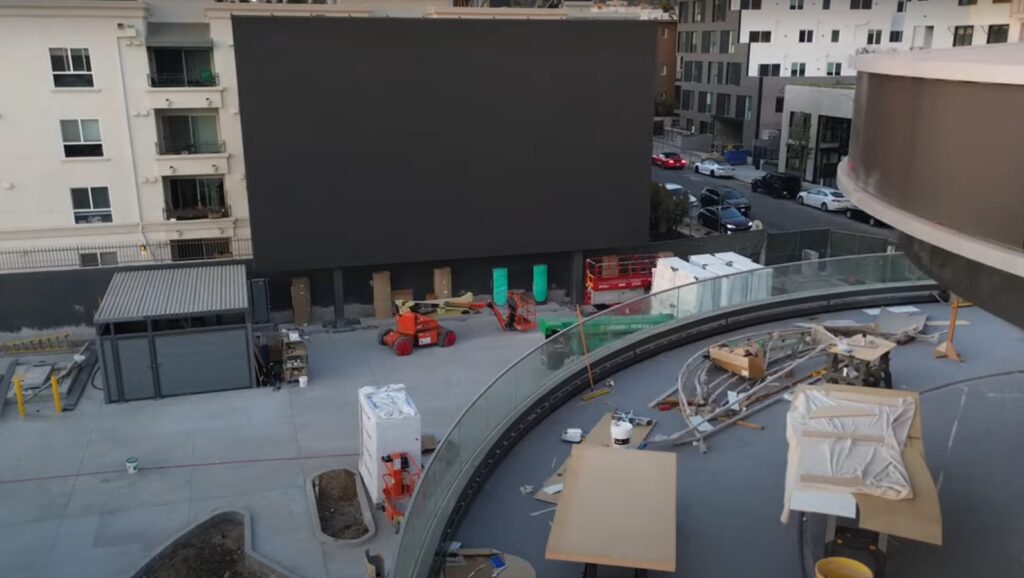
point(839, 567)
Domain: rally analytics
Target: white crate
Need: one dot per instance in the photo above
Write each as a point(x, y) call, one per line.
point(388, 423)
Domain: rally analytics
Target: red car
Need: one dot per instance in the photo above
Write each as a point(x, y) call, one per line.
point(669, 161)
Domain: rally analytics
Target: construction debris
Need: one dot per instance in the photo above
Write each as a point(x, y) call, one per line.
point(572, 435)
point(526, 489)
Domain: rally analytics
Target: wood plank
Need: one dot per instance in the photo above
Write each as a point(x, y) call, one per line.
point(443, 282)
point(382, 295)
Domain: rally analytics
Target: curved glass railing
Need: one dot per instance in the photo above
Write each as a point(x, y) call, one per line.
point(530, 377)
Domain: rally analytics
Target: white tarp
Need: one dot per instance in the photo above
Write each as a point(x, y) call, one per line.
point(849, 446)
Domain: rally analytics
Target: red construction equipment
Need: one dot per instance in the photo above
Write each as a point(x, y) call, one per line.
point(522, 313)
point(400, 477)
point(615, 279)
point(414, 330)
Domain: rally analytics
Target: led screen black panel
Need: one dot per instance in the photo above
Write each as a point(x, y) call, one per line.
point(374, 141)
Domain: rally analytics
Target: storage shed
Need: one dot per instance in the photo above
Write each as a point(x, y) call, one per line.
point(165, 332)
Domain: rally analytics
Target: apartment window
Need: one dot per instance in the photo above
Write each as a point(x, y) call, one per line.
point(91, 205)
point(901, 6)
point(895, 36)
point(998, 34)
point(684, 12)
point(718, 10)
point(664, 33)
point(687, 40)
point(860, 4)
point(725, 42)
point(704, 101)
point(963, 35)
point(806, 36)
point(664, 70)
point(760, 36)
point(874, 37)
point(99, 259)
point(835, 36)
point(826, 4)
point(704, 127)
point(923, 36)
point(81, 138)
point(796, 4)
point(717, 72)
point(798, 69)
point(722, 102)
point(743, 109)
point(779, 103)
point(966, 2)
point(705, 41)
point(71, 67)
point(733, 73)
point(834, 69)
point(693, 71)
point(195, 198)
point(698, 11)
point(769, 70)
point(188, 134)
point(175, 67)
point(688, 125)
point(750, 4)
point(686, 100)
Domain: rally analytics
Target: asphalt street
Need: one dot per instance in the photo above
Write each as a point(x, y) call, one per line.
point(775, 214)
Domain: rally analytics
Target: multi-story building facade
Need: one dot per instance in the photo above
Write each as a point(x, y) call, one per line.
point(799, 38)
point(717, 99)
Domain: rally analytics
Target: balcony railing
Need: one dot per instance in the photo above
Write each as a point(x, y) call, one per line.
point(180, 80)
point(111, 254)
point(189, 148)
point(195, 213)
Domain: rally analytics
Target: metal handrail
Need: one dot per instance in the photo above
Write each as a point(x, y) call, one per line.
point(204, 79)
point(212, 212)
point(190, 147)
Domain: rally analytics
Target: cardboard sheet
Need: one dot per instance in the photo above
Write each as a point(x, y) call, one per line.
point(881, 347)
point(618, 508)
point(516, 568)
point(600, 435)
point(918, 518)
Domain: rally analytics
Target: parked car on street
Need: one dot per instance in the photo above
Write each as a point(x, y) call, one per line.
point(859, 215)
point(714, 168)
point(777, 185)
point(668, 160)
point(824, 198)
point(723, 219)
point(677, 190)
point(714, 196)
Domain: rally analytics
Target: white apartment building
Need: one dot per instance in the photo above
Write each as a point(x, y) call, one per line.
point(822, 37)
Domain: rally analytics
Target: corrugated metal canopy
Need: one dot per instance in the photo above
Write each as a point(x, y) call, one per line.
point(134, 295)
point(178, 35)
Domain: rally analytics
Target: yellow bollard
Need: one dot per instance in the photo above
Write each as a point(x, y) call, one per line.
point(56, 394)
point(20, 397)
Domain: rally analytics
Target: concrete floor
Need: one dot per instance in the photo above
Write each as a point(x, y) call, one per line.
point(730, 500)
point(68, 508)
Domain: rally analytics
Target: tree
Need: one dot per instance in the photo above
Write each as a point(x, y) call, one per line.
point(667, 213)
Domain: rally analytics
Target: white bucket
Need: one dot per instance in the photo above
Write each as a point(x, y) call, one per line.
point(621, 431)
point(303, 381)
point(132, 464)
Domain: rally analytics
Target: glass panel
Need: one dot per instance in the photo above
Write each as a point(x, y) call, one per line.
point(100, 198)
point(91, 130)
point(69, 131)
point(204, 129)
point(198, 70)
point(58, 59)
point(80, 60)
point(80, 199)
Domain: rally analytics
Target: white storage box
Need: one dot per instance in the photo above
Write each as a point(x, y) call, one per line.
point(388, 423)
point(673, 272)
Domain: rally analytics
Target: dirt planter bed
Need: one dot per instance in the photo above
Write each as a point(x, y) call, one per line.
point(340, 507)
point(220, 546)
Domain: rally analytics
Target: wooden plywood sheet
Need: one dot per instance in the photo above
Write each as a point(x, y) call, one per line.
point(382, 295)
point(618, 508)
point(600, 435)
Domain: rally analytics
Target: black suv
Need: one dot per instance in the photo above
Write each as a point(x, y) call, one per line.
point(715, 196)
point(777, 185)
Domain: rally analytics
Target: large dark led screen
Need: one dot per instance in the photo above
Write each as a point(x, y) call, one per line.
point(373, 141)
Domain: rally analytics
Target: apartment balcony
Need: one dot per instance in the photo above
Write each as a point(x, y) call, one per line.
point(205, 79)
point(196, 213)
point(189, 147)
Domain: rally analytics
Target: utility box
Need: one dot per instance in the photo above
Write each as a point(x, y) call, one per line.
point(388, 423)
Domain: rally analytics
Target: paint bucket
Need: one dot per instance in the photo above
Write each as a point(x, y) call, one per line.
point(621, 431)
point(132, 464)
point(839, 567)
point(303, 381)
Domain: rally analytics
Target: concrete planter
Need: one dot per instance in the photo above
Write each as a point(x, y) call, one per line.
point(252, 559)
point(364, 507)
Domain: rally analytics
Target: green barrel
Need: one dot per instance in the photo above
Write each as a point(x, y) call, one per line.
point(540, 283)
point(500, 282)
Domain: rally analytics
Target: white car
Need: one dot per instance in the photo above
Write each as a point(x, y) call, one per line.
point(677, 190)
point(714, 168)
point(824, 198)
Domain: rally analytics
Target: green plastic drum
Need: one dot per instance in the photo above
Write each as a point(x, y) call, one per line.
point(540, 283)
point(500, 282)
